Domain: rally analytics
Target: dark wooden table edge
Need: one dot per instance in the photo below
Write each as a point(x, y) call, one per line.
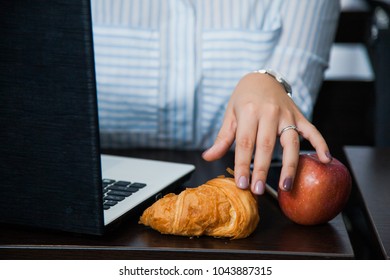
point(102, 253)
point(378, 251)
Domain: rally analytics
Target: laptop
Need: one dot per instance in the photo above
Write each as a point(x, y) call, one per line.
point(52, 172)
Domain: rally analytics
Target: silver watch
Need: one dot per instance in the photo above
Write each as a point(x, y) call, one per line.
point(279, 78)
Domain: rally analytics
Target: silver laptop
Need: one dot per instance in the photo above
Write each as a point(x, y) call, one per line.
point(156, 176)
point(52, 172)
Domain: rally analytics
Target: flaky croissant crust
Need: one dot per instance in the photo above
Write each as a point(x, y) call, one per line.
point(217, 208)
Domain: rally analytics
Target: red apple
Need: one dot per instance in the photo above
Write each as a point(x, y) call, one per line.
point(319, 193)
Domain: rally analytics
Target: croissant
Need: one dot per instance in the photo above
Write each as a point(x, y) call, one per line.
point(217, 208)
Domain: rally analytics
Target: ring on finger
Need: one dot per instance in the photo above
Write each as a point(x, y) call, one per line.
point(288, 128)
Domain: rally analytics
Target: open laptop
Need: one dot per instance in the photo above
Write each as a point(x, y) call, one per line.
point(52, 173)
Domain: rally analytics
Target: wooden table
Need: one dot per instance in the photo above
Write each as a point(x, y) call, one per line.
point(275, 238)
point(371, 169)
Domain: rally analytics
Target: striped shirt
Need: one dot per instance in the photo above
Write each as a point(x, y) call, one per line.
point(165, 69)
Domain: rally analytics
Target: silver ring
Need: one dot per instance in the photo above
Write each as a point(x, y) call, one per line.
point(287, 128)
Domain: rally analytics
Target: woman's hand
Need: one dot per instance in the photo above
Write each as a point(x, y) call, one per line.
point(258, 110)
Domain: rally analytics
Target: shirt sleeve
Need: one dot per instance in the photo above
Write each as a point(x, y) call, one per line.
point(302, 52)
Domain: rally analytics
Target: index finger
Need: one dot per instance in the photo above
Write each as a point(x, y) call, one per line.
point(245, 142)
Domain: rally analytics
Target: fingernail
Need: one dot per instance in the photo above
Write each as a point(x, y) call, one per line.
point(258, 188)
point(243, 182)
point(328, 155)
point(287, 184)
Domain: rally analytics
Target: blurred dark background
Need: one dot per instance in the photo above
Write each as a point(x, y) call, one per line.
point(352, 107)
point(354, 102)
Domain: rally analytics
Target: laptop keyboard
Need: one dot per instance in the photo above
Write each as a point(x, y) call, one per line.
point(116, 191)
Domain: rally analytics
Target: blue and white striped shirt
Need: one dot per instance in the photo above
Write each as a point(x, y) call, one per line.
point(165, 69)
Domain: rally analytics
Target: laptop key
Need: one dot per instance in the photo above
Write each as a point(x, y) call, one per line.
point(110, 202)
point(118, 188)
point(107, 181)
point(138, 185)
point(119, 193)
point(122, 183)
point(115, 197)
point(106, 206)
point(132, 189)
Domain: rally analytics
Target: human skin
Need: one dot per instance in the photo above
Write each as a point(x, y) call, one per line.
point(258, 110)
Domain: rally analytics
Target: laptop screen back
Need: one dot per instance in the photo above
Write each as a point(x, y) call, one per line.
point(49, 144)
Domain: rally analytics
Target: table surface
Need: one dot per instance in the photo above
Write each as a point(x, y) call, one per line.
point(371, 169)
point(275, 238)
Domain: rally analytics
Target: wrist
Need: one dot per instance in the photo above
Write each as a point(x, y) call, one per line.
point(278, 77)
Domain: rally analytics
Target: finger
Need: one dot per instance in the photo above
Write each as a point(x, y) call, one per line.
point(310, 132)
point(265, 144)
point(223, 141)
point(245, 143)
point(290, 143)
